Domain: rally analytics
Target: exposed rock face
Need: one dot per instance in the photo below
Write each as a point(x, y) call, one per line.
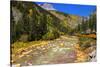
point(16, 14)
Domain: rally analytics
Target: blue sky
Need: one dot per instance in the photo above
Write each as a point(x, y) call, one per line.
point(80, 10)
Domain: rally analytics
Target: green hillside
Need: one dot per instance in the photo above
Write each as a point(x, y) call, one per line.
point(31, 22)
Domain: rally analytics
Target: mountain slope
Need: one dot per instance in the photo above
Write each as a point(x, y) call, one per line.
point(71, 20)
point(31, 22)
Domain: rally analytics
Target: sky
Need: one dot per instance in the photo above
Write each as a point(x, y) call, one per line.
point(75, 9)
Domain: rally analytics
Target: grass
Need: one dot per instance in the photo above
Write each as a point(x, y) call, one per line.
point(19, 46)
point(86, 42)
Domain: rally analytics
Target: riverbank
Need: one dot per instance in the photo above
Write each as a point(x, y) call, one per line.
point(50, 52)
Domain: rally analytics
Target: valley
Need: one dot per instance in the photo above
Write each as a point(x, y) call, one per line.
point(41, 35)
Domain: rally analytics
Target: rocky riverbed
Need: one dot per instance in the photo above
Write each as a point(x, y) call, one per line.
point(66, 49)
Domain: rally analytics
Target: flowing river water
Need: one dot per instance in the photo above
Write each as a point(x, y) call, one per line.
point(62, 50)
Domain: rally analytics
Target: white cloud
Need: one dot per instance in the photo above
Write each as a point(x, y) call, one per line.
point(47, 6)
